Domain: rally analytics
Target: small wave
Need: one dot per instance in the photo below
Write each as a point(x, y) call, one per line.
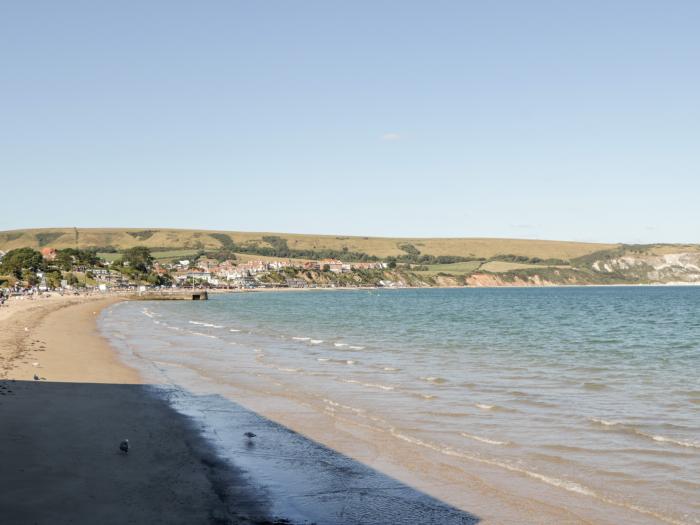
point(284, 369)
point(616, 425)
point(301, 338)
point(436, 380)
point(340, 345)
point(233, 330)
point(322, 359)
point(483, 439)
point(369, 385)
point(483, 406)
point(349, 362)
point(570, 486)
point(208, 325)
point(356, 347)
point(605, 422)
point(204, 335)
point(315, 341)
point(391, 369)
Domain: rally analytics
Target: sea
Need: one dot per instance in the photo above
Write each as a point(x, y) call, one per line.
point(542, 405)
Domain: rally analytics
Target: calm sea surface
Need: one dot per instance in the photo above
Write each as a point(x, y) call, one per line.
point(594, 392)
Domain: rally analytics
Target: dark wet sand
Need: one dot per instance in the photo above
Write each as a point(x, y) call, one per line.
point(61, 463)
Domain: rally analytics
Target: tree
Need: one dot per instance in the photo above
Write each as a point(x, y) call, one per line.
point(21, 259)
point(29, 276)
point(159, 280)
point(139, 258)
point(53, 279)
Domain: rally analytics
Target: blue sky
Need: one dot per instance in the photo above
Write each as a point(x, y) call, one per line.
point(537, 119)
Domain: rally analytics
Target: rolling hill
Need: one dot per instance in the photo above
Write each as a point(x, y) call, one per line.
point(382, 247)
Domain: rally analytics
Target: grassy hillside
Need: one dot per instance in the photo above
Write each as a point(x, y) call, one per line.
point(168, 239)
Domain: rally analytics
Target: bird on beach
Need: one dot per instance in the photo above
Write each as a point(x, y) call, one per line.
point(36, 377)
point(124, 446)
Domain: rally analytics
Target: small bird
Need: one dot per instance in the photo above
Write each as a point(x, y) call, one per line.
point(36, 377)
point(124, 446)
point(249, 435)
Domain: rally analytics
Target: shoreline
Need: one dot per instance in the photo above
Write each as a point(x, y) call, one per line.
point(63, 464)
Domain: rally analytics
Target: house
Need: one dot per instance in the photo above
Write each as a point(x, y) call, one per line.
point(334, 265)
point(367, 266)
point(312, 265)
point(207, 263)
point(49, 254)
point(194, 276)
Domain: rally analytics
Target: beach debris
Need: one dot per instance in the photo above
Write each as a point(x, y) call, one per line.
point(36, 377)
point(35, 364)
point(26, 329)
point(124, 446)
point(249, 435)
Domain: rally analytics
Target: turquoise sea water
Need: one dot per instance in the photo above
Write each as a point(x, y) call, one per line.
point(594, 392)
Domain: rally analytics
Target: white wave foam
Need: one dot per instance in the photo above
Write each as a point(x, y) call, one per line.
point(204, 335)
point(322, 359)
point(482, 406)
point(433, 379)
point(390, 369)
point(682, 443)
point(233, 330)
point(284, 369)
point(301, 338)
point(369, 385)
point(483, 439)
point(655, 437)
point(350, 362)
point(208, 325)
point(340, 345)
point(356, 347)
point(604, 422)
point(315, 341)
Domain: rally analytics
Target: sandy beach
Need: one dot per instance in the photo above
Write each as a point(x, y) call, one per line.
point(60, 436)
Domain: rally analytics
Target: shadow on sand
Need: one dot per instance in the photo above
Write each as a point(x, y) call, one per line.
point(61, 463)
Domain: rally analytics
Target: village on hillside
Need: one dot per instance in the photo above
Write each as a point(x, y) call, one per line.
point(48, 269)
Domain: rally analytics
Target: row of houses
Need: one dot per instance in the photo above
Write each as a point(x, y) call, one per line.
point(243, 274)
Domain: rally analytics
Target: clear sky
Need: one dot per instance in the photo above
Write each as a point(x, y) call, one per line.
point(575, 120)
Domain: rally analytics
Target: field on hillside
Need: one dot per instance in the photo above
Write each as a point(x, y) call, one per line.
point(454, 268)
point(377, 246)
point(505, 266)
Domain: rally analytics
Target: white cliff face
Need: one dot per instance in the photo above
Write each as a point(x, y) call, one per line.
point(670, 267)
